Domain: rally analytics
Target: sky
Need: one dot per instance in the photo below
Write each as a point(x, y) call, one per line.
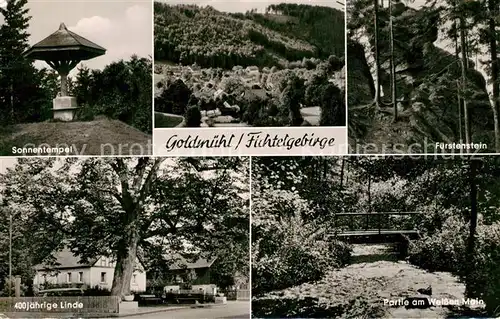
point(6, 162)
point(123, 27)
point(246, 5)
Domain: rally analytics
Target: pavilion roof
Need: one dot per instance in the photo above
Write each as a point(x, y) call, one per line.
point(64, 45)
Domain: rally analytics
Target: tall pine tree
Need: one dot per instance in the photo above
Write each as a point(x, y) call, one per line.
point(22, 98)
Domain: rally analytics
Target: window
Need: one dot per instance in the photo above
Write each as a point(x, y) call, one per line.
point(44, 276)
point(69, 277)
point(134, 279)
point(103, 262)
point(103, 277)
point(80, 276)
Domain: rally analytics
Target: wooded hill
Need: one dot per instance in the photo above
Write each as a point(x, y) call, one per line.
point(189, 34)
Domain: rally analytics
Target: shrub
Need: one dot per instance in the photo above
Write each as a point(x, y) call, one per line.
point(332, 106)
point(97, 291)
point(442, 251)
point(122, 90)
point(309, 307)
point(5, 290)
point(290, 266)
point(85, 113)
point(193, 116)
point(335, 63)
point(485, 276)
point(288, 250)
point(446, 251)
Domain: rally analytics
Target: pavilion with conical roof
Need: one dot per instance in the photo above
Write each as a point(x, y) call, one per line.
point(63, 50)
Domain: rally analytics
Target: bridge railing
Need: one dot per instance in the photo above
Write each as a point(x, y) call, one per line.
point(375, 221)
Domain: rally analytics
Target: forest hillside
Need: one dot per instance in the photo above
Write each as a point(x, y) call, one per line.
point(286, 33)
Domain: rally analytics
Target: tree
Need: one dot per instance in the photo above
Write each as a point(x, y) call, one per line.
point(23, 256)
point(377, 53)
point(392, 63)
point(233, 85)
point(332, 106)
point(193, 116)
point(464, 66)
point(21, 97)
point(493, 13)
point(124, 208)
point(84, 86)
point(174, 99)
point(474, 165)
point(292, 96)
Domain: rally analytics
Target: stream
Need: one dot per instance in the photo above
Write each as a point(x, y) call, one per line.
point(377, 273)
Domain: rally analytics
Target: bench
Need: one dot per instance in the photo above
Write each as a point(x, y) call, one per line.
point(149, 300)
point(185, 297)
point(189, 297)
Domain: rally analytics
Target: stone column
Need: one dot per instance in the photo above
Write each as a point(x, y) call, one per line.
point(64, 83)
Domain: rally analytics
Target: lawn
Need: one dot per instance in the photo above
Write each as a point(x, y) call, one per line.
point(163, 120)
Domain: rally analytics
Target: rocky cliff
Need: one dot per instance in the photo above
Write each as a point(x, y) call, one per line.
point(427, 84)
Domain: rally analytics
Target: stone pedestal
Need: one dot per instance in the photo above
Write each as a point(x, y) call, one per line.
point(221, 300)
point(64, 108)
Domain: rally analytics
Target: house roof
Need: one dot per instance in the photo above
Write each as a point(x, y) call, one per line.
point(183, 263)
point(64, 45)
point(66, 259)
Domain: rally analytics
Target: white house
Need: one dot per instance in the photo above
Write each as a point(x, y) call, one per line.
point(68, 270)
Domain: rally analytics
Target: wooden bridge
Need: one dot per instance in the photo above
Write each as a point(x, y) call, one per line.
point(375, 226)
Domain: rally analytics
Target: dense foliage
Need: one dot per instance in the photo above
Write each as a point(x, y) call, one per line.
point(288, 246)
point(25, 92)
point(122, 90)
point(286, 250)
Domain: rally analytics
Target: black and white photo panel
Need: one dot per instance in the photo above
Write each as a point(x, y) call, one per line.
point(76, 77)
point(423, 77)
point(362, 237)
point(140, 237)
point(231, 66)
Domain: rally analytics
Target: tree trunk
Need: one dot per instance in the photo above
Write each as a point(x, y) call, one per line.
point(377, 55)
point(492, 8)
point(12, 112)
point(459, 99)
point(369, 199)
point(473, 224)
point(132, 205)
point(342, 168)
point(463, 47)
point(393, 65)
point(125, 265)
point(325, 168)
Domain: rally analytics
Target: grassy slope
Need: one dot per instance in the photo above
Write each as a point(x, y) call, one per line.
point(87, 138)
